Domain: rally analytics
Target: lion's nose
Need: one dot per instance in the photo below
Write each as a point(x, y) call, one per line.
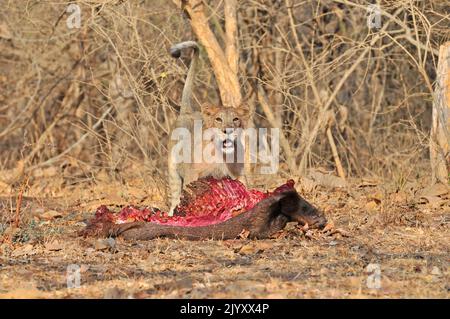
point(228, 131)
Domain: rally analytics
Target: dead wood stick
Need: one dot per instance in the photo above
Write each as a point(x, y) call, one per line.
point(334, 151)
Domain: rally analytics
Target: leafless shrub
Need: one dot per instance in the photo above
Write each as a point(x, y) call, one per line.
point(104, 96)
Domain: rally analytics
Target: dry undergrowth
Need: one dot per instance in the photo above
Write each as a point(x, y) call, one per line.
point(104, 96)
point(84, 120)
point(405, 232)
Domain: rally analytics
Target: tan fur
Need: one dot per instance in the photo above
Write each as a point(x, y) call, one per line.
point(213, 116)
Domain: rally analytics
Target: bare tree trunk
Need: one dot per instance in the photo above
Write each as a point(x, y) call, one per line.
point(440, 129)
point(231, 51)
point(224, 63)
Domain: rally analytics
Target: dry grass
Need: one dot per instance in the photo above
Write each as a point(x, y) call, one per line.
point(85, 116)
point(104, 96)
point(406, 236)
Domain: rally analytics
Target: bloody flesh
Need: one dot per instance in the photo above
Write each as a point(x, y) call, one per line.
point(207, 202)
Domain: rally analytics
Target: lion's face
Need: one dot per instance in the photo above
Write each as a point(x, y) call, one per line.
point(227, 121)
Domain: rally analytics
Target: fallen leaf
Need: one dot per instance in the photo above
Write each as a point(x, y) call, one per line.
point(5, 32)
point(327, 180)
point(436, 271)
point(50, 214)
point(84, 268)
point(434, 190)
point(399, 197)
point(329, 226)
point(309, 234)
point(434, 201)
point(371, 206)
point(103, 244)
point(377, 196)
point(53, 246)
point(4, 187)
point(307, 184)
point(23, 251)
point(232, 243)
point(344, 233)
point(339, 231)
point(10, 231)
point(279, 234)
point(255, 247)
point(247, 249)
point(244, 234)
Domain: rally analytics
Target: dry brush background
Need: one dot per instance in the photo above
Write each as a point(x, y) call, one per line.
point(85, 114)
point(104, 96)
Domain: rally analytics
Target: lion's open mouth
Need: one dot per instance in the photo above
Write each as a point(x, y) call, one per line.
point(228, 144)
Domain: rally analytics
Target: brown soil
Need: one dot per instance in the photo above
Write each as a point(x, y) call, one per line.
point(404, 232)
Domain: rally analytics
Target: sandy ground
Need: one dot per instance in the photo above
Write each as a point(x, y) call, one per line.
point(394, 244)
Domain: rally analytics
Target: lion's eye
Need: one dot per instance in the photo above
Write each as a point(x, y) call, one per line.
point(218, 119)
point(235, 119)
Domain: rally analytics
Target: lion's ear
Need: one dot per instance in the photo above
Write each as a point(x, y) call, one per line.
point(243, 111)
point(209, 109)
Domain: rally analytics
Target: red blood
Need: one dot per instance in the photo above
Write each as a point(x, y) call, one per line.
point(218, 201)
